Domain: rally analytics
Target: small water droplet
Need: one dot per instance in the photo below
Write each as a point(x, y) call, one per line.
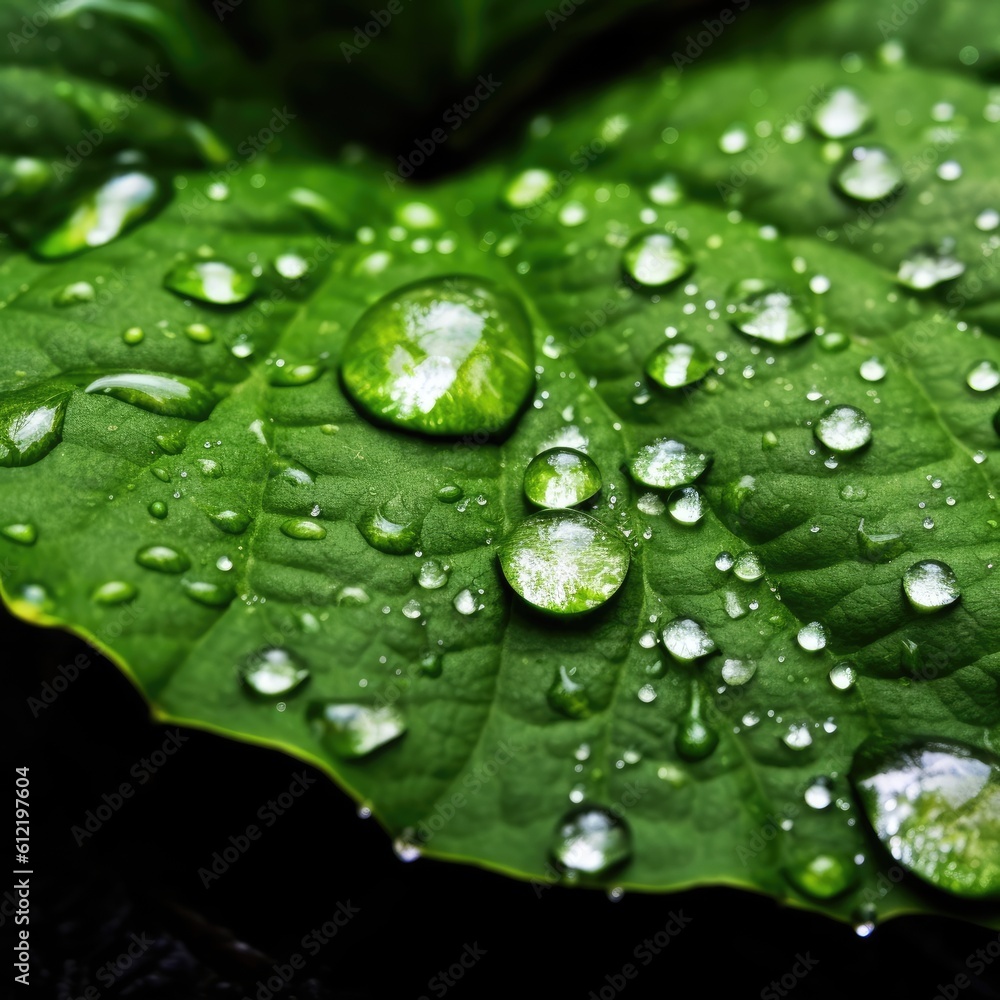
point(561, 477)
point(812, 637)
point(843, 113)
point(591, 840)
point(930, 585)
point(686, 640)
point(686, 505)
point(163, 558)
point(666, 463)
point(869, 173)
point(302, 528)
point(655, 260)
point(23, 532)
point(115, 592)
point(843, 429)
point(675, 365)
point(355, 731)
point(983, 376)
point(843, 676)
point(212, 281)
point(169, 395)
point(767, 312)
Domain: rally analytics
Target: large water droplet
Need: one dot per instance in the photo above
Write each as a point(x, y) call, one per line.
point(767, 312)
point(843, 113)
point(936, 808)
point(568, 696)
point(31, 423)
point(737, 672)
point(869, 173)
point(212, 281)
point(686, 505)
point(564, 561)
point(983, 376)
point(666, 463)
point(655, 260)
point(272, 674)
point(931, 585)
point(686, 640)
point(390, 529)
point(22, 532)
point(353, 731)
point(169, 395)
point(843, 429)
point(675, 365)
point(748, 567)
point(449, 356)
point(843, 676)
point(232, 522)
point(591, 840)
point(302, 528)
point(163, 558)
point(101, 216)
point(432, 575)
point(879, 546)
point(561, 477)
point(812, 637)
point(926, 267)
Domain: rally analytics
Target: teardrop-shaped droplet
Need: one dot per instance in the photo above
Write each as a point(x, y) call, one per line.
point(568, 696)
point(529, 187)
point(926, 267)
point(212, 595)
point(822, 877)
point(696, 738)
point(561, 477)
point(163, 558)
point(302, 528)
point(22, 532)
point(655, 260)
point(936, 808)
point(272, 674)
point(232, 522)
point(666, 463)
point(353, 731)
point(591, 840)
point(675, 365)
point(212, 281)
point(843, 113)
point(101, 216)
point(983, 376)
point(766, 312)
point(843, 429)
point(31, 423)
point(564, 561)
point(448, 356)
point(390, 529)
point(843, 676)
point(293, 375)
point(879, 546)
point(115, 592)
point(686, 640)
point(686, 505)
point(170, 395)
point(931, 585)
point(869, 173)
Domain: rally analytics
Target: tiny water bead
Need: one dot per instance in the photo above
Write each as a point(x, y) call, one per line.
point(303, 529)
point(169, 395)
point(869, 173)
point(101, 216)
point(930, 586)
point(163, 558)
point(211, 595)
point(666, 463)
point(766, 312)
point(812, 637)
point(232, 522)
point(591, 840)
point(31, 422)
point(655, 260)
point(272, 674)
point(115, 592)
point(686, 640)
point(561, 477)
point(564, 561)
point(686, 505)
point(295, 375)
point(212, 281)
point(568, 696)
point(676, 365)
point(935, 807)
point(843, 113)
point(822, 877)
point(449, 356)
point(23, 532)
point(529, 187)
point(390, 529)
point(843, 429)
point(353, 731)
point(843, 676)
point(926, 267)
point(983, 376)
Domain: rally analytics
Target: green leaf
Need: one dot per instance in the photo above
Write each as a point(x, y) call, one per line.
point(265, 560)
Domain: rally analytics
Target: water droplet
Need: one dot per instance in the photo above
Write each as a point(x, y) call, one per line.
point(812, 637)
point(748, 567)
point(115, 592)
point(200, 333)
point(872, 370)
point(666, 463)
point(797, 737)
point(655, 260)
point(869, 173)
point(412, 609)
point(291, 266)
point(573, 213)
point(843, 113)
point(212, 595)
point(686, 640)
point(818, 795)
point(432, 575)
point(934, 807)
point(767, 312)
point(75, 294)
point(431, 664)
point(734, 140)
point(101, 216)
point(391, 529)
point(354, 731)
point(843, 429)
point(212, 281)
point(821, 877)
point(567, 695)
point(465, 603)
point(232, 522)
point(724, 562)
point(647, 694)
point(449, 493)
point(988, 220)
point(686, 505)
point(843, 676)
point(737, 672)
point(163, 558)
point(133, 335)
point(157, 509)
point(169, 395)
point(983, 376)
point(926, 267)
point(23, 533)
point(293, 375)
point(449, 356)
point(666, 191)
point(564, 561)
point(529, 187)
point(675, 365)
point(561, 477)
point(696, 739)
point(930, 585)
point(302, 528)
point(591, 840)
